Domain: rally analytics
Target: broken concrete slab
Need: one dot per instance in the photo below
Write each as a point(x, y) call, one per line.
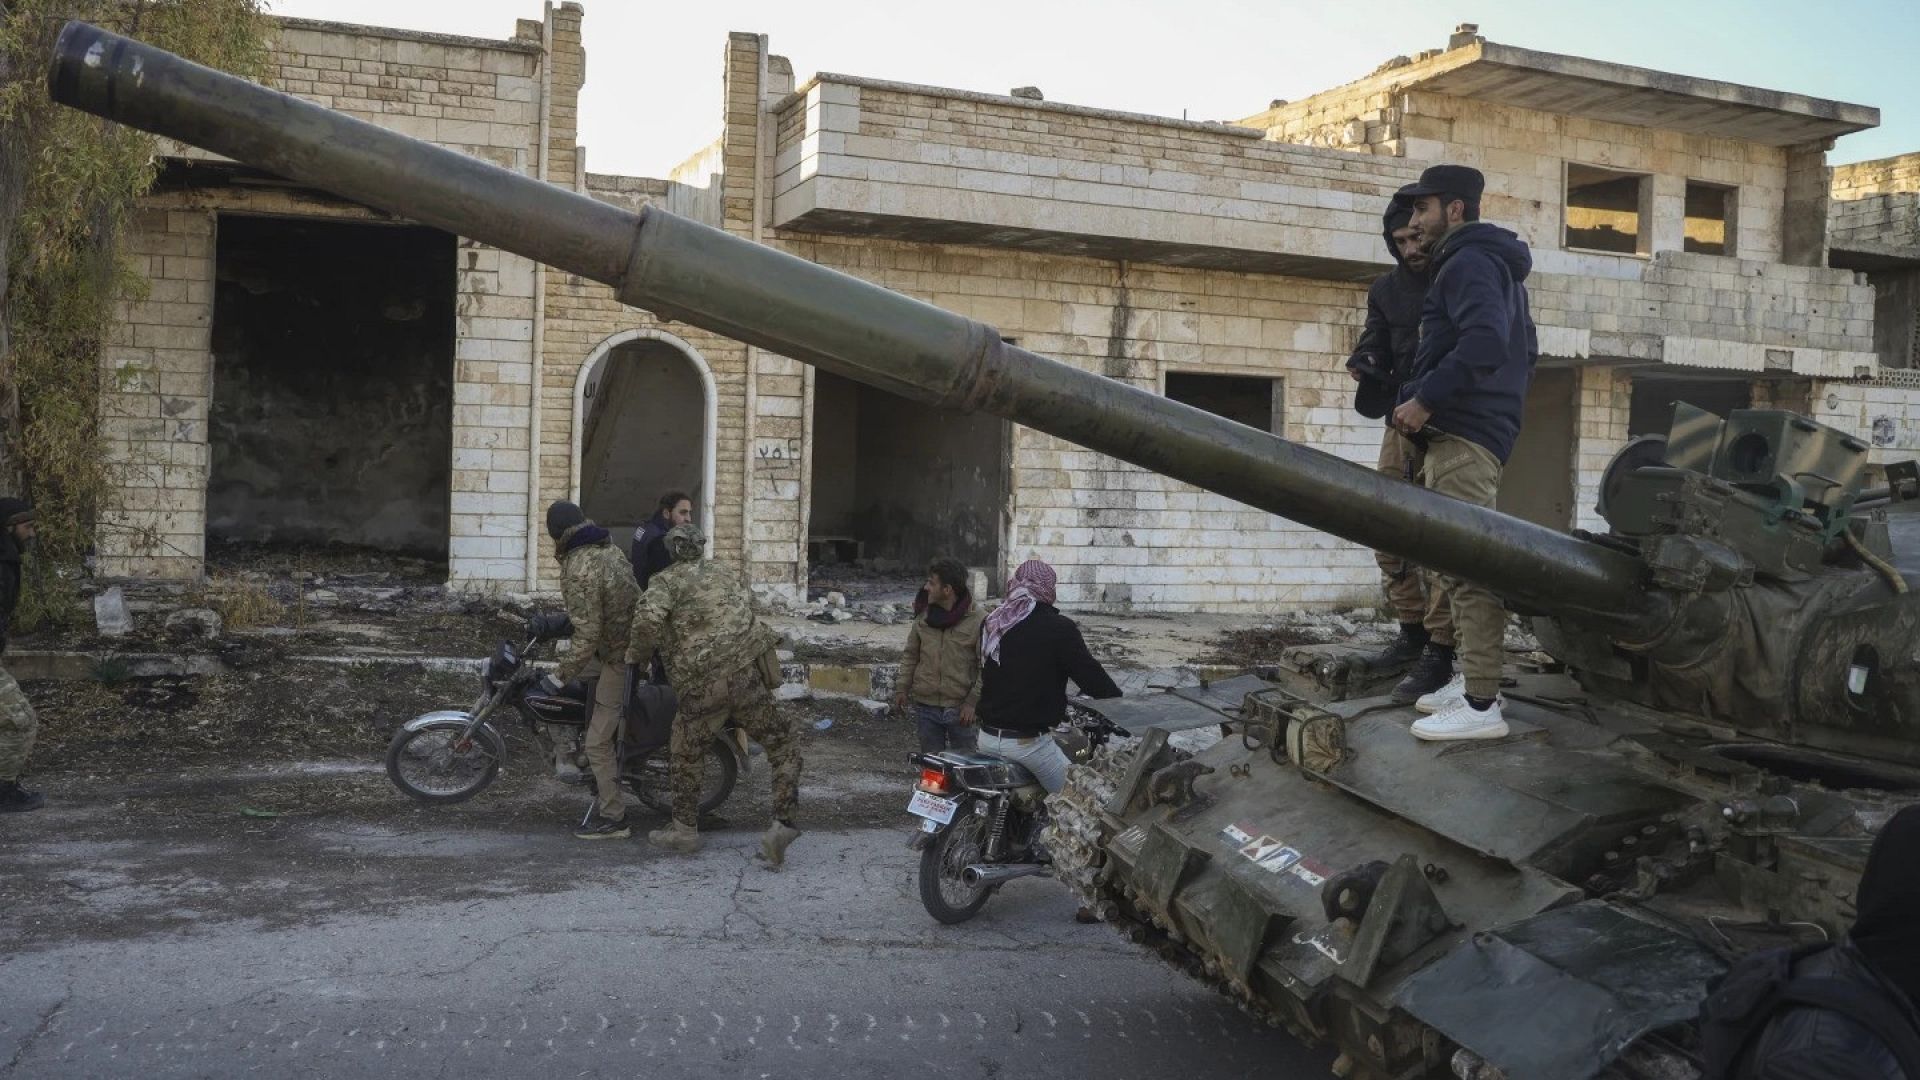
point(194, 622)
point(110, 614)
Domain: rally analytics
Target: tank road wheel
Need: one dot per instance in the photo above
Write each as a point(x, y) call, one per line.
point(942, 893)
point(652, 780)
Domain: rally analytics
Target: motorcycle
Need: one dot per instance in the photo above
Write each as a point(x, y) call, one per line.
point(451, 755)
point(982, 816)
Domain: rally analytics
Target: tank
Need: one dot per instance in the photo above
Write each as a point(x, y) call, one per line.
point(1731, 711)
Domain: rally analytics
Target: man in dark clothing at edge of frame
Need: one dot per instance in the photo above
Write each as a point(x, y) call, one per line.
point(1462, 410)
point(1382, 360)
point(1878, 960)
point(18, 724)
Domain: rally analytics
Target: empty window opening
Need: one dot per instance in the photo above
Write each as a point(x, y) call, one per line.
point(1709, 219)
point(896, 483)
point(1606, 210)
point(331, 424)
point(1654, 396)
point(1245, 399)
point(645, 434)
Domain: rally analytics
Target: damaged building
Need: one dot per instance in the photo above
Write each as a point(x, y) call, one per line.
point(305, 371)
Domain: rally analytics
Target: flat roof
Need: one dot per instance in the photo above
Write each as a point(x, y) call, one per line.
point(1620, 93)
point(356, 30)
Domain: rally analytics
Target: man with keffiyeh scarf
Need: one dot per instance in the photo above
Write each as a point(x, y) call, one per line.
point(1028, 652)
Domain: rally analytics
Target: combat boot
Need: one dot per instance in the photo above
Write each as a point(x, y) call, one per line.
point(682, 839)
point(15, 799)
point(773, 843)
point(1404, 649)
point(1433, 671)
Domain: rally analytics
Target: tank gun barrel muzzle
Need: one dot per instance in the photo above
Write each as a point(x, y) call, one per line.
point(683, 270)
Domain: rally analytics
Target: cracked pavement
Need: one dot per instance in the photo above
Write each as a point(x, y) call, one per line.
point(158, 931)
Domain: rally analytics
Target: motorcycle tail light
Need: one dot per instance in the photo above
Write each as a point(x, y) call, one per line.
point(933, 781)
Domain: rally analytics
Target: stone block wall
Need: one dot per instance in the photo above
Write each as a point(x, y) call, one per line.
point(479, 97)
point(1877, 203)
point(878, 150)
point(1123, 538)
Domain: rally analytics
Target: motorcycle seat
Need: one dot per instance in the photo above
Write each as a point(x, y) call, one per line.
point(969, 759)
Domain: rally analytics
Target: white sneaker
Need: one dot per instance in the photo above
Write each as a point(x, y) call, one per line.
point(1463, 721)
point(1444, 698)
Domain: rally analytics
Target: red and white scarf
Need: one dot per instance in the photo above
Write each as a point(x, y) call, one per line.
point(1032, 584)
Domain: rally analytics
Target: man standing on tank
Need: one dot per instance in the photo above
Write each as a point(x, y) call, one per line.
point(1382, 360)
point(1463, 407)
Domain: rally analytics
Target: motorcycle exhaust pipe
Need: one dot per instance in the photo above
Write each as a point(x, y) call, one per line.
point(981, 874)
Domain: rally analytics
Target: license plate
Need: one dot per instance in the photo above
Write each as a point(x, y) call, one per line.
point(932, 807)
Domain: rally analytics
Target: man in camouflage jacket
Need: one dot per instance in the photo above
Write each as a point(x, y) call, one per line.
point(597, 586)
point(699, 614)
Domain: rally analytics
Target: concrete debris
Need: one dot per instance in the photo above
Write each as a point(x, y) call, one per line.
point(875, 709)
point(836, 599)
point(110, 614)
point(792, 692)
point(194, 622)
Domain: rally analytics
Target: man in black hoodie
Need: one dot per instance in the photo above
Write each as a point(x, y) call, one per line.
point(1463, 407)
point(1383, 359)
point(18, 725)
point(1878, 962)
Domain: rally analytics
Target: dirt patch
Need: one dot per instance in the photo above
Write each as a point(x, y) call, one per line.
point(276, 711)
point(1260, 645)
point(845, 652)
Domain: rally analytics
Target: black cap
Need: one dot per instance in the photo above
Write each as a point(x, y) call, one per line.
point(562, 516)
point(1460, 181)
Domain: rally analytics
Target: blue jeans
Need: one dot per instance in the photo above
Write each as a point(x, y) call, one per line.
point(940, 729)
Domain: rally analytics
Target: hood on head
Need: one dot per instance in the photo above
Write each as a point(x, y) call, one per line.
point(1885, 930)
point(1399, 212)
point(1503, 243)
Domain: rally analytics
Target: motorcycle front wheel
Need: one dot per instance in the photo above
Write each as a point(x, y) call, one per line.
point(652, 780)
point(439, 763)
point(942, 892)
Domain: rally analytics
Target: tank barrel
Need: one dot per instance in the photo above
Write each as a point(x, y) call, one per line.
point(705, 277)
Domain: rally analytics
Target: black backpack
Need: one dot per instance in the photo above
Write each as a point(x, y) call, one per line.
point(1740, 1003)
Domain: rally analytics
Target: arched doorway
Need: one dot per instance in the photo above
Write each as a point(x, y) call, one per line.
point(645, 412)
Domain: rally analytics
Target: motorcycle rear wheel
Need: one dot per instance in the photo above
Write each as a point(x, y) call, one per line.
point(652, 784)
point(942, 893)
point(434, 764)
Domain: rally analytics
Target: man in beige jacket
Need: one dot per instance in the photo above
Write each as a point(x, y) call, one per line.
point(940, 670)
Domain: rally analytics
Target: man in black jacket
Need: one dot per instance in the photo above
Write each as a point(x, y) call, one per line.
point(1463, 407)
point(1879, 960)
point(1028, 652)
point(1383, 359)
point(649, 552)
point(18, 725)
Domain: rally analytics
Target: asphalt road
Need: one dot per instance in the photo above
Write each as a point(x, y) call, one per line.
point(428, 944)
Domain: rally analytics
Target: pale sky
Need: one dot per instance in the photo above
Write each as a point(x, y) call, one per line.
point(653, 69)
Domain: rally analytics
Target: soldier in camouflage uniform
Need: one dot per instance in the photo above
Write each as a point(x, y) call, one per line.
point(699, 614)
point(597, 586)
point(18, 725)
